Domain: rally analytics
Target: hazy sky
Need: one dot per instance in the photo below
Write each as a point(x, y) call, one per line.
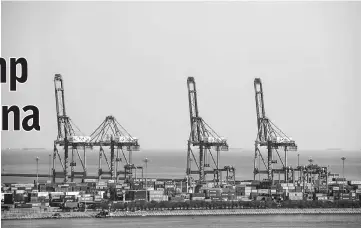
point(131, 60)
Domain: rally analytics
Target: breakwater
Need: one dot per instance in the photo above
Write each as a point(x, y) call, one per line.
point(223, 212)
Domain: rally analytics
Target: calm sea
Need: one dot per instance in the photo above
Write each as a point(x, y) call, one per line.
point(172, 163)
point(319, 221)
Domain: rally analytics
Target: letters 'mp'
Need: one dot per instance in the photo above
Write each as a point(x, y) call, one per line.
point(14, 75)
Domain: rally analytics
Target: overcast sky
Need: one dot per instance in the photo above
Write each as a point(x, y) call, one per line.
point(131, 60)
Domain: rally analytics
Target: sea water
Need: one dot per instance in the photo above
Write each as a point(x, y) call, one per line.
point(172, 163)
point(319, 221)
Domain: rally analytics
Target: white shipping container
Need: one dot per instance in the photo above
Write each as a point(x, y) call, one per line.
point(90, 180)
point(43, 194)
point(243, 198)
point(101, 193)
point(198, 198)
point(295, 194)
point(19, 185)
point(111, 181)
point(72, 193)
point(322, 198)
point(56, 193)
point(156, 192)
point(263, 191)
point(355, 182)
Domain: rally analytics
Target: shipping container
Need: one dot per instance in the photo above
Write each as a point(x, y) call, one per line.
point(295, 198)
point(354, 182)
point(90, 180)
point(71, 204)
point(295, 194)
point(23, 205)
point(197, 198)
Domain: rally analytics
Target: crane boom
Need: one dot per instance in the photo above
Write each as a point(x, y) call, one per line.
point(203, 137)
point(270, 136)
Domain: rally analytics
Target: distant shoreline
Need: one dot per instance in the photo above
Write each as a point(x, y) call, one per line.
point(222, 212)
point(17, 149)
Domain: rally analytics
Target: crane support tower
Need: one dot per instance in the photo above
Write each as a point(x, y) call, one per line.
point(69, 137)
point(269, 136)
point(208, 142)
point(111, 134)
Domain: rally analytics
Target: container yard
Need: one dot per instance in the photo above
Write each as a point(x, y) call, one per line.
point(206, 179)
point(81, 196)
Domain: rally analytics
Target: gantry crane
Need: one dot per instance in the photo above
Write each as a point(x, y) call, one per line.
point(230, 175)
point(206, 139)
point(272, 138)
point(312, 172)
point(69, 136)
point(111, 133)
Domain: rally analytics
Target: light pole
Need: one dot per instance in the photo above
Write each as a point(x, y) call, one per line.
point(343, 166)
point(343, 174)
point(298, 166)
point(49, 165)
point(37, 172)
point(146, 160)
